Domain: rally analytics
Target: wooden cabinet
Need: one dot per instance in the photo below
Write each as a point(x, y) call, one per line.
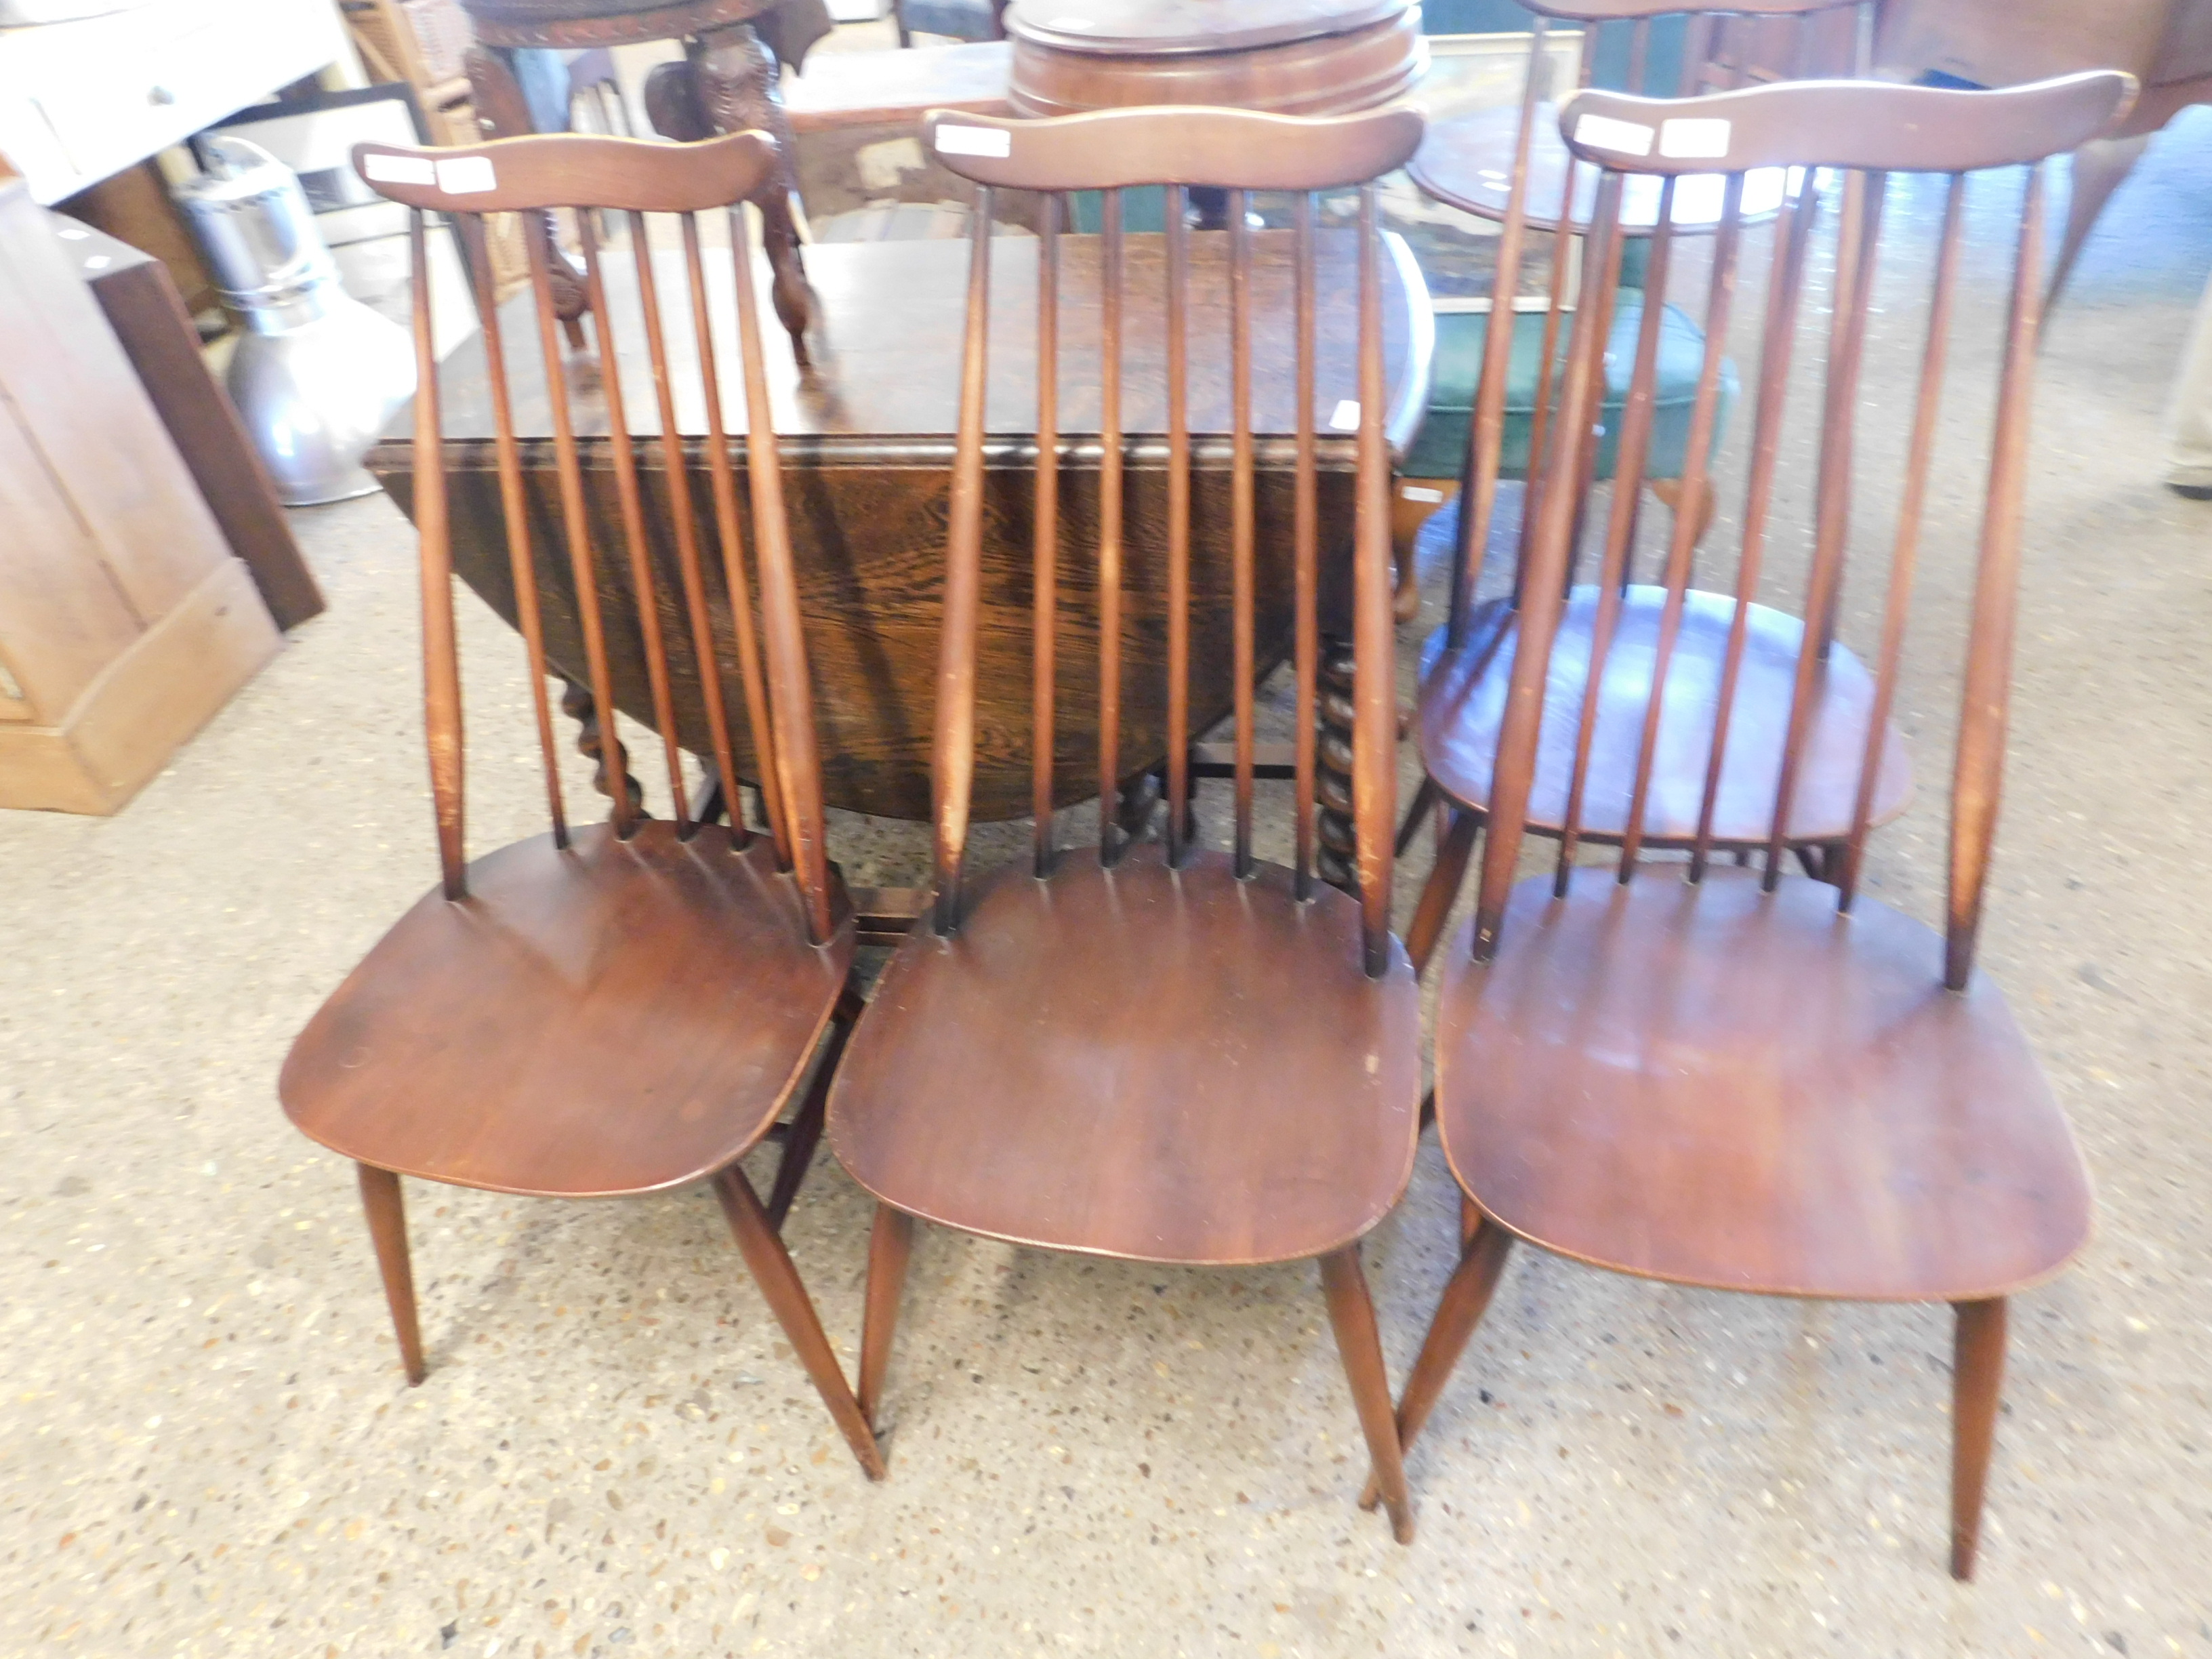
point(124, 620)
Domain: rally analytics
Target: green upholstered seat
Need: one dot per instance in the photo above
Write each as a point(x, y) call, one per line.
point(1440, 449)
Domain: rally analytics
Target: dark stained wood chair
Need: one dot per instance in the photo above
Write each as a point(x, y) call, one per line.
point(1741, 1078)
point(629, 1006)
point(1663, 419)
point(1162, 1051)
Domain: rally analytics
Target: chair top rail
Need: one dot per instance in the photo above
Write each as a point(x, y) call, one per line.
point(571, 170)
point(1224, 149)
point(1872, 125)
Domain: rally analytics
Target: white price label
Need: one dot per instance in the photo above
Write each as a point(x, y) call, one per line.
point(1603, 133)
point(975, 141)
point(1347, 418)
point(397, 169)
point(1703, 138)
point(467, 175)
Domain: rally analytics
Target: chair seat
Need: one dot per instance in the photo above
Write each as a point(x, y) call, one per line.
point(1171, 1066)
point(1745, 1091)
point(1440, 449)
point(620, 1017)
point(1462, 701)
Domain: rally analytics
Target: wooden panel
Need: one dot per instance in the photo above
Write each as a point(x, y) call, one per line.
point(61, 618)
point(143, 306)
point(868, 442)
point(145, 704)
point(61, 366)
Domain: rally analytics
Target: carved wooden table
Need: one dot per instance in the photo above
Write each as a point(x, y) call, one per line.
point(726, 83)
point(868, 446)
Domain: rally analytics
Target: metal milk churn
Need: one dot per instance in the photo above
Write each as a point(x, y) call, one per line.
point(316, 374)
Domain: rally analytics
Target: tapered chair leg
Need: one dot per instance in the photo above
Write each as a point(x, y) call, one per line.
point(1442, 890)
point(890, 1244)
point(1465, 1298)
point(387, 1227)
point(1409, 826)
point(786, 1298)
point(1351, 1312)
point(1977, 1378)
point(805, 1130)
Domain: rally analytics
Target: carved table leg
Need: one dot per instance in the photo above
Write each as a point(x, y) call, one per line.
point(503, 112)
point(736, 77)
point(1336, 860)
point(592, 743)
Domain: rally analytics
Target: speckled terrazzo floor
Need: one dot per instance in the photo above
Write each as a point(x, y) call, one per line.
point(206, 1448)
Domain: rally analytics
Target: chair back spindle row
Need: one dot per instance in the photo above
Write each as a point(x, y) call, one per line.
point(1718, 50)
point(1867, 132)
point(1255, 158)
point(588, 177)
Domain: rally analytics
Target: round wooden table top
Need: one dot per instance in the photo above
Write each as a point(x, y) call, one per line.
point(1286, 56)
point(1466, 163)
point(1113, 27)
point(571, 24)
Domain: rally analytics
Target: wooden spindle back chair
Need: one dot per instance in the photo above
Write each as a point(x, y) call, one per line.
point(628, 1006)
point(1743, 1078)
point(1626, 43)
point(1160, 1051)
point(1463, 695)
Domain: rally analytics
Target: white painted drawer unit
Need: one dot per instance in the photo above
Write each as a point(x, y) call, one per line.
point(81, 100)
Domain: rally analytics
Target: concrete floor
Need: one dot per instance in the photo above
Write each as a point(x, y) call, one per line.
point(207, 1448)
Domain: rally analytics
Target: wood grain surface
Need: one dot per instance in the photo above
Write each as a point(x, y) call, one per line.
point(868, 441)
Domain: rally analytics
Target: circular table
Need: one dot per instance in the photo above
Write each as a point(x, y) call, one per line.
point(1288, 56)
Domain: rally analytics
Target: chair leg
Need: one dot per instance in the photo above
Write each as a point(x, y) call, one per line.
point(890, 1243)
point(1465, 1298)
point(1423, 798)
point(2099, 167)
point(1442, 890)
point(1977, 1378)
point(1351, 1312)
point(387, 1226)
point(786, 1298)
point(805, 1131)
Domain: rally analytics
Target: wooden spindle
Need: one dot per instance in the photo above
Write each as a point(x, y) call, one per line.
point(1704, 412)
point(1977, 782)
point(1905, 557)
point(442, 662)
point(1615, 567)
point(1544, 591)
point(722, 485)
point(1305, 539)
point(677, 469)
point(1554, 307)
point(1793, 235)
point(1178, 394)
point(1109, 529)
point(1486, 435)
point(953, 764)
point(514, 508)
point(791, 691)
point(629, 499)
point(1375, 688)
point(1045, 617)
point(1857, 244)
point(583, 561)
point(1243, 514)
